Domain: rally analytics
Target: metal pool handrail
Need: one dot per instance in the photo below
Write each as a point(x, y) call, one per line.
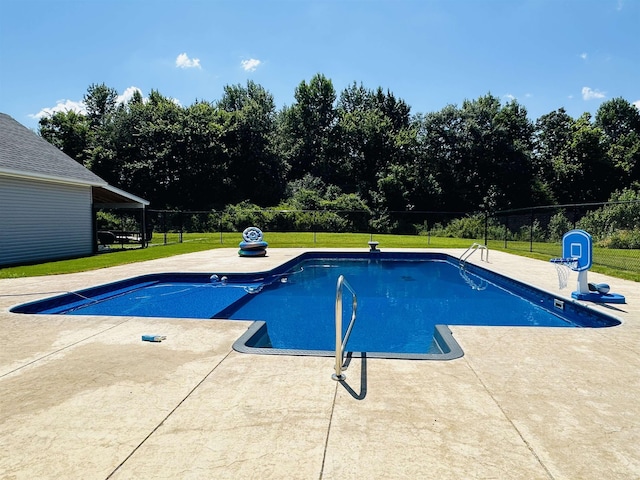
point(482, 284)
point(340, 342)
point(471, 250)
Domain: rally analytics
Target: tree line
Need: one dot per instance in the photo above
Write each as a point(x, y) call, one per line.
point(361, 149)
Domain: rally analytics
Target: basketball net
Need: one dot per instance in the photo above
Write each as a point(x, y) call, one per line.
point(563, 267)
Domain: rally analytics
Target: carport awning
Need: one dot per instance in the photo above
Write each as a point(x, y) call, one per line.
point(107, 196)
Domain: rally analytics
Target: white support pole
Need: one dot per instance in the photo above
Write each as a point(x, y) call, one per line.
point(583, 284)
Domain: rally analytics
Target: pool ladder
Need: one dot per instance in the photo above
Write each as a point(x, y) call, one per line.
point(479, 284)
point(341, 342)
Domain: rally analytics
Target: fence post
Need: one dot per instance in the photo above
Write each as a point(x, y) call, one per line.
point(531, 232)
point(143, 221)
point(486, 228)
point(506, 229)
point(164, 226)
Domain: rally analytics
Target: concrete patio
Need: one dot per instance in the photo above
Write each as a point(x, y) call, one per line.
point(84, 397)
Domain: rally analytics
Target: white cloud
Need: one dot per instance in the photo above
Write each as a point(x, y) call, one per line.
point(250, 65)
point(61, 106)
point(583, 56)
point(183, 61)
point(509, 97)
point(590, 94)
point(127, 94)
point(80, 107)
point(637, 104)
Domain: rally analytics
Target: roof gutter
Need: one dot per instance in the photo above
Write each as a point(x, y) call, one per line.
point(51, 178)
point(134, 199)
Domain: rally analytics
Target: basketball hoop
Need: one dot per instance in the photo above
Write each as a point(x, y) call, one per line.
point(563, 267)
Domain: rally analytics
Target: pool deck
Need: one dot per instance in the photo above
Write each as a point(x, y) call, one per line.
point(84, 397)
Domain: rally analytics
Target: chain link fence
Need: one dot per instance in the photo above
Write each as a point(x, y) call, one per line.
point(170, 226)
point(614, 226)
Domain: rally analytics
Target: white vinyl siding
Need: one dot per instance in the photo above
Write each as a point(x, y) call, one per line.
point(43, 220)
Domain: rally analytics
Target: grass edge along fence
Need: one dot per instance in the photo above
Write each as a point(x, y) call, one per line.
point(614, 226)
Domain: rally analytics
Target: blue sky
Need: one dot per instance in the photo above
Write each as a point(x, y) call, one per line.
point(546, 54)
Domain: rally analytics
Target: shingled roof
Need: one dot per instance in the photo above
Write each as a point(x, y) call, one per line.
point(24, 153)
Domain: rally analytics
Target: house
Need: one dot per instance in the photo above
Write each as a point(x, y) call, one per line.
point(48, 200)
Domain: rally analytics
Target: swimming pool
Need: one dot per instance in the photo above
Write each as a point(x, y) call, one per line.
point(404, 302)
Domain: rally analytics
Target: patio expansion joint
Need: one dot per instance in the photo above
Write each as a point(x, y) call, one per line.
point(55, 352)
point(326, 440)
point(155, 429)
point(516, 429)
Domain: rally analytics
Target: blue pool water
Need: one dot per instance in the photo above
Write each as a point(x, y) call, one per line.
point(402, 297)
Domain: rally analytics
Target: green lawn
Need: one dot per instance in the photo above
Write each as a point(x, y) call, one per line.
point(195, 242)
point(620, 263)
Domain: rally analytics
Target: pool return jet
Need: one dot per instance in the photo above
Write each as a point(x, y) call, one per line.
point(577, 255)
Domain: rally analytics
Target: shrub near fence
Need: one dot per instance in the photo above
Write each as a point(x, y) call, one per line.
point(340, 221)
point(614, 226)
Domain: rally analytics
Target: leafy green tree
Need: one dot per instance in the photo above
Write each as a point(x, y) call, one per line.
point(69, 131)
point(148, 153)
point(101, 105)
point(617, 118)
point(553, 133)
point(584, 173)
point(154, 148)
point(375, 143)
point(442, 152)
point(355, 98)
point(306, 130)
point(100, 102)
point(396, 110)
point(366, 144)
point(205, 180)
point(620, 123)
point(514, 178)
point(364, 148)
point(481, 154)
point(407, 182)
point(257, 173)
